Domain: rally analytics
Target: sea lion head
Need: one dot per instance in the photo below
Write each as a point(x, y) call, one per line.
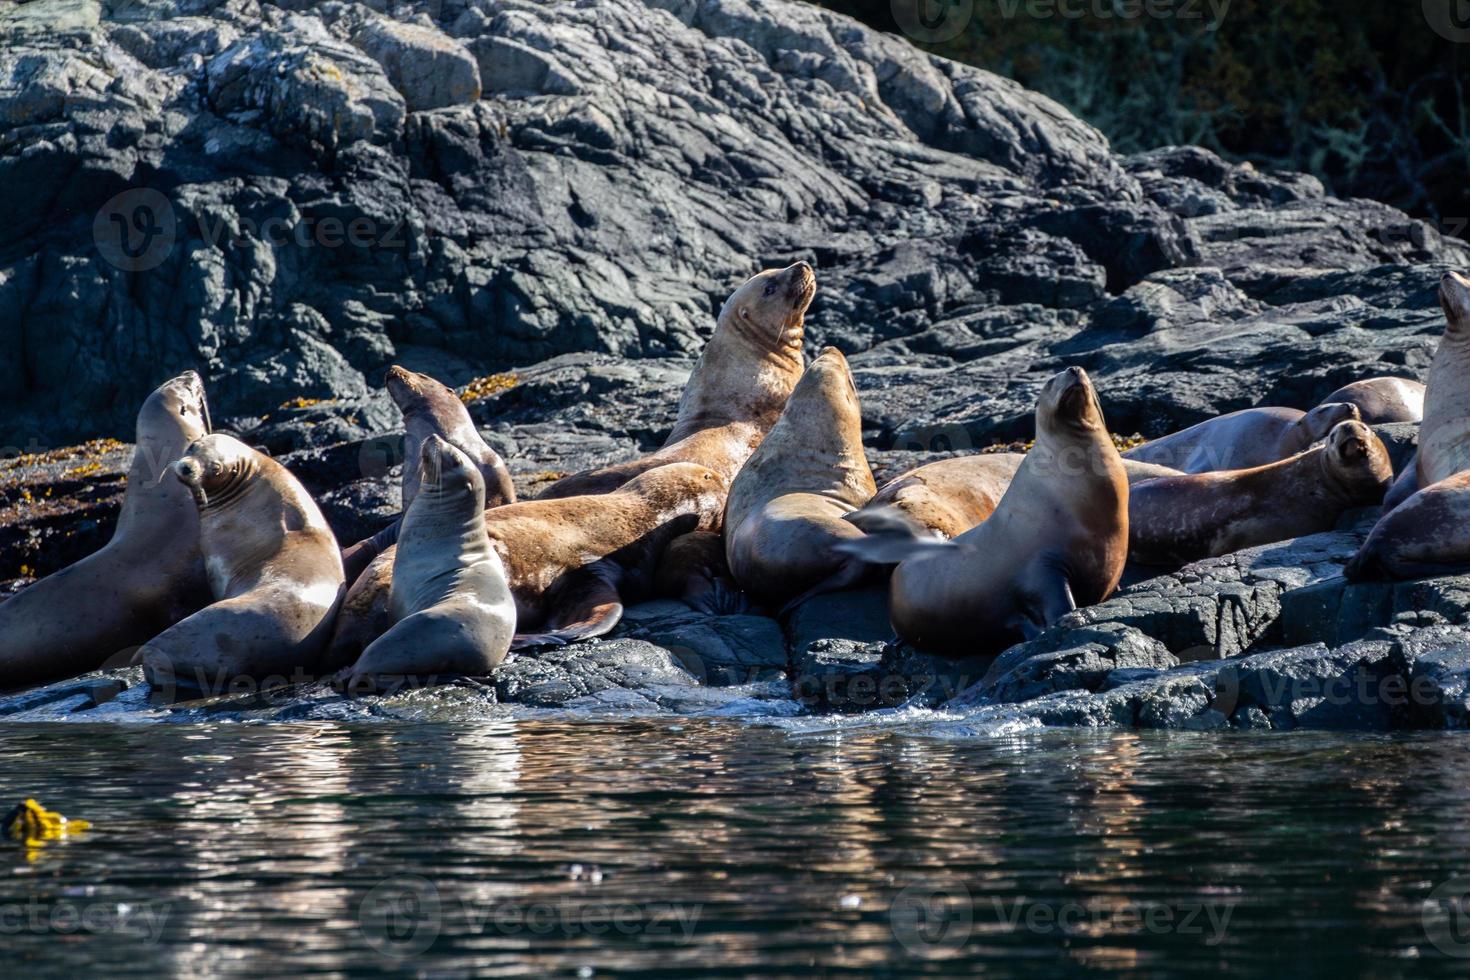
point(418, 395)
point(1454, 299)
point(770, 307)
point(172, 417)
point(1068, 406)
point(823, 397)
point(1316, 424)
point(1359, 461)
point(445, 472)
point(216, 469)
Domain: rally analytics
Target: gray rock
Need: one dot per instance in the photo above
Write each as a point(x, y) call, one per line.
point(429, 69)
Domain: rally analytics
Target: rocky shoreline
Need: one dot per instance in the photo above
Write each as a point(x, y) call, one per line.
point(560, 196)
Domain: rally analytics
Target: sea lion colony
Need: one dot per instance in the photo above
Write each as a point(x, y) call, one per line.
point(221, 565)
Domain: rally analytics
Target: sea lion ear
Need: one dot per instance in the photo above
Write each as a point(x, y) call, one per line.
point(745, 313)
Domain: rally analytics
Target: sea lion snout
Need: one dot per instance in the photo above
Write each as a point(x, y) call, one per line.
point(189, 472)
point(1454, 299)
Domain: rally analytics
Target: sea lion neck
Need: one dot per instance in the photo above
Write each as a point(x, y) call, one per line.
point(738, 380)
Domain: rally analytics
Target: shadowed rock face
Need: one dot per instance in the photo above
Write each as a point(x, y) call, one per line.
point(326, 195)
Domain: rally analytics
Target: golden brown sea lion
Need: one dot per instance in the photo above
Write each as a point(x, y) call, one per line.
point(148, 577)
point(1180, 519)
point(736, 391)
point(1242, 440)
point(787, 505)
point(1057, 540)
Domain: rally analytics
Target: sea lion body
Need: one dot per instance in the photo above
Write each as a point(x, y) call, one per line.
point(452, 606)
point(274, 570)
point(430, 409)
point(1057, 540)
point(1176, 520)
point(1426, 535)
point(1444, 435)
point(1382, 400)
point(146, 578)
point(1243, 440)
point(736, 390)
point(693, 569)
point(787, 505)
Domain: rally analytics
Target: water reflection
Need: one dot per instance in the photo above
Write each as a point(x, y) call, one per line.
point(555, 848)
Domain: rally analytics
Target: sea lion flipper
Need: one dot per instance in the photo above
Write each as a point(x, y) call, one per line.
point(891, 536)
point(848, 574)
point(1405, 486)
point(356, 558)
point(1049, 594)
point(588, 608)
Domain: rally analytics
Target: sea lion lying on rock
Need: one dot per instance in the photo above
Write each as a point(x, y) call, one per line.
point(1058, 539)
point(1243, 440)
point(430, 409)
point(787, 505)
point(1382, 400)
point(274, 569)
point(453, 611)
point(146, 578)
point(1180, 519)
point(736, 391)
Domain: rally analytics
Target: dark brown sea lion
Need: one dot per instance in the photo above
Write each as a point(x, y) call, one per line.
point(1382, 400)
point(1242, 440)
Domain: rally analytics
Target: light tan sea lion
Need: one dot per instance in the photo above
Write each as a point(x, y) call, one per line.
point(1423, 531)
point(1057, 540)
point(274, 570)
point(1243, 440)
point(1382, 400)
point(430, 409)
point(1180, 519)
point(146, 578)
point(453, 611)
point(572, 562)
point(950, 496)
point(787, 505)
point(736, 391)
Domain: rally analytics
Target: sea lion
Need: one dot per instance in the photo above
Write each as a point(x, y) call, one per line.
point(146, 578)
point(1421, 531)
point(1243, 440)
point(1180, 519)
point(787, 505)
point(693, 570)
point(571, 562)
point(736, 391)
point(950, 496)
point(430, 409)
point(1382, 400)
point(449, 598)
point(1057, 540)
point(274, 570)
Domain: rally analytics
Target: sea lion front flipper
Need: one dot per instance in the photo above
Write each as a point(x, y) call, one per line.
point(848, 574)
point(1048, 594)
point(587, 607)
point(356, 558)
point(891, 536)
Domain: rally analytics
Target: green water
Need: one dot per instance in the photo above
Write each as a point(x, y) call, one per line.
point(719, 848)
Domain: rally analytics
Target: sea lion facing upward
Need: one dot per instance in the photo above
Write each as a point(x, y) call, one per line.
point(950, 496)
point(430, 409)
point(1177, 520)
point(1382, 400)
point(1057, 540)
point(453, 608)
point(736, 391)
point(274, 571)
point(1242, 440)
point(571, 563)
point(787, 505)
point(146, 578)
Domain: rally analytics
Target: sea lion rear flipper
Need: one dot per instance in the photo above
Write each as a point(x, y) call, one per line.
point(587, 608)
point(892, 537)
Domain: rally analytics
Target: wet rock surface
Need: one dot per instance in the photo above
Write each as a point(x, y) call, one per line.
point(546, 203)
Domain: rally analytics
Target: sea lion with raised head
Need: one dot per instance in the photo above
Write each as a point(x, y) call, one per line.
point(1382, 400)
point(572, 562)
point(430, 409)
point(146, 578)
point(453, 611)
point(274, 570)
point(1243, 440)
point(787, 505)
point(1057, 540)
point(737, 389)
point(1180, 519)
point(1423, 530)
